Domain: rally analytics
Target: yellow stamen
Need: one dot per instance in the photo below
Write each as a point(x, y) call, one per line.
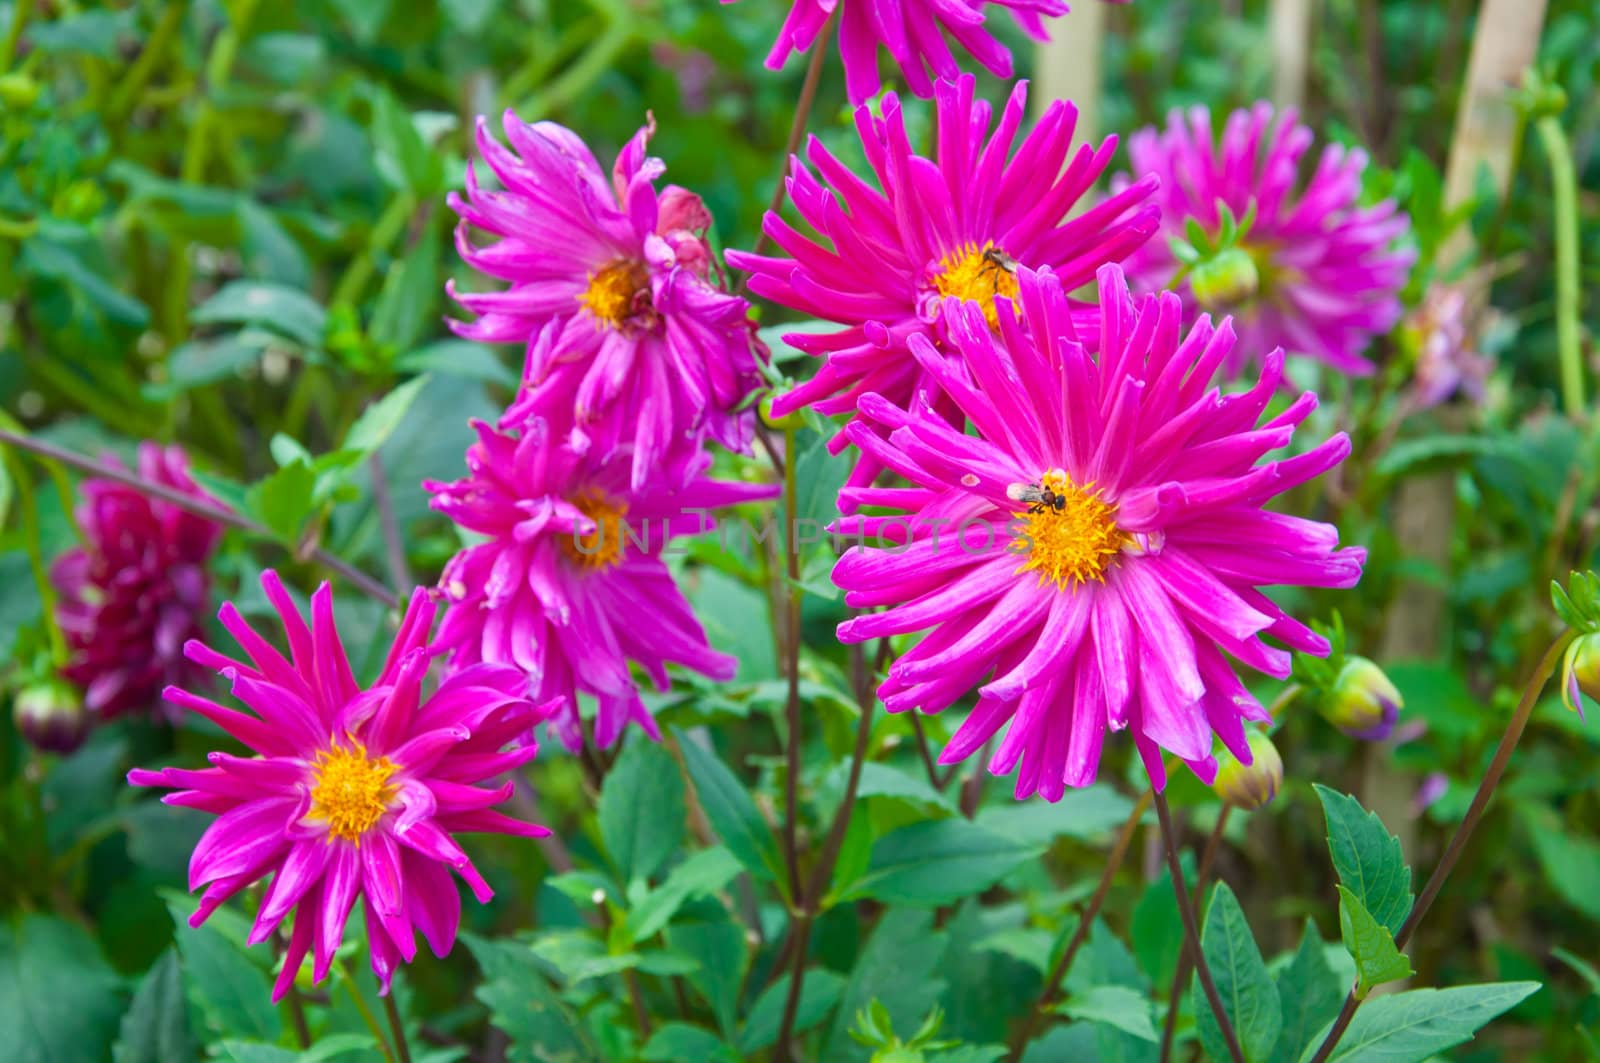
point(1074, 544)
point(351, 792)
point(601, 548)
point(613, 292)
point(978, 274)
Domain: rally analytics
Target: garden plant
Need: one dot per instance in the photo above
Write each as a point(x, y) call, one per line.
point(911, 531)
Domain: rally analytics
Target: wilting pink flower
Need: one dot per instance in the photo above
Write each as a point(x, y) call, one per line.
point(629, 343)
point(135, 590)
point(1327, 272)
point(353, 793)
point(1115, 600)
point(570, 586)
point(1446, 363)
point(957, 225)
point(914, 33)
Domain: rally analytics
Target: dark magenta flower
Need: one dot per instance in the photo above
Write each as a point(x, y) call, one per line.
point(136, 589)
point(352, 793)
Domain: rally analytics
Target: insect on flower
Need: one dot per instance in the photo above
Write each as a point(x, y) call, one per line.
point(1041, 497)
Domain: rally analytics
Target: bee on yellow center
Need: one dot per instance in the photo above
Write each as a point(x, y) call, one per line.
point(979, 274)
point(1069, 534)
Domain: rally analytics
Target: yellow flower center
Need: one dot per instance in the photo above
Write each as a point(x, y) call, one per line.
point(601, 548)
point(1071, 538)
point(351, 792)
point(978, 274)
point(614, 290)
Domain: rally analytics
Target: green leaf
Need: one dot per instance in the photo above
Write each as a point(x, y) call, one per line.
point(719, 947)
point(939, 861)
point(411, 288)
point(277, 307)
point(1411, 1027)
point(1087, 814)
point(1571, 862)
point(1248, 996)
point(378, 421)
point(234, 995)
point(641, 810)
point(1414, 454)
point(1157, 928)
point(732, 813)
point(93, 33)
point(1116, 1006)
point(156, 1026)
point(702, 874)
point(283, 500)
point(328, 1046)
point(201, 362)
point(523, 1005)
point(897, 968)
point(1368, 858)
point(819, 992)
point(258, 1052)
point(458, 358)
point(58, 998)
point(1584, 968)
point(883, 780)
point(678, 1041)
point(1370, 944)
point(403, 158)
point(57, 261)
point(1308, 993)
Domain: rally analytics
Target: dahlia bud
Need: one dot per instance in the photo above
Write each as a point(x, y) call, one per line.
point(1580, 672)
point(1224, 280)
point(50, 716)
point(1363, 703)
point(18, 90)
point(1250, 786)
point(788, 420)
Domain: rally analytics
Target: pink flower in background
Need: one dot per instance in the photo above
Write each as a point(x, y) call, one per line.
point(1116, 600)
point(1320, 275)
point(135, 591)
point(352, 793)
point(914, 33)
point(570, 586)
point(1447, 365)
point(629, 343)
point(959, 225)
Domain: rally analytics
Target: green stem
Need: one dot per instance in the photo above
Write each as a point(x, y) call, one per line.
point(402, 1048)
point(29, 512)
point(366, 1012)
point(138, 76)
point(19, 21)
point(388, 228)
point(17, 229)
point(581, 75)
point(1564, 184)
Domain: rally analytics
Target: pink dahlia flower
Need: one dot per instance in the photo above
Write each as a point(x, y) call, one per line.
point(914, 32)
point(1104, 538)
point(352, 793)
point(629, 342)
point(570, 586)
point(135, 591)
point(958, 225)
point(1323, 274)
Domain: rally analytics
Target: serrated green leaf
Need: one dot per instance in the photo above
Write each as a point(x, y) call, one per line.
point(1411, 1027)
point(641, 810)
point(411, 289)
point(896, 974)
point(233, 994)
point(1116, 1006)
point(1248, 996)
point(155, 1027)
point(522, 1004)
point(939, 861)
point(732, 813)
point(719, 948)
point(1370, 944)
point(678, 1041)
point(403, 158)
point(1309, 994)
point(1368, 858)
point(283, 501)
point(1088, 814)
point(702, 874)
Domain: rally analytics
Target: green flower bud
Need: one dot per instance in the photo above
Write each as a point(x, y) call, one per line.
point(782, 424)
point(50, 717)
point(1363, 703)
point(1580, 672)
point(1225, 280)
point(1250, 786)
